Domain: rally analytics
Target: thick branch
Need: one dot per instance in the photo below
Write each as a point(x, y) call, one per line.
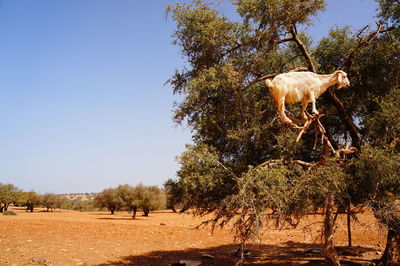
point(307, 56)
point(284, 40)
point(346, 65)
point(346, 118)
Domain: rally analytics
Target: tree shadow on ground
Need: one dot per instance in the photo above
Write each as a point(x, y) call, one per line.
point(290, 253)
point(120, 219)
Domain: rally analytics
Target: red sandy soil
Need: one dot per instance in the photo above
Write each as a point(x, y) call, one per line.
point(164, 238)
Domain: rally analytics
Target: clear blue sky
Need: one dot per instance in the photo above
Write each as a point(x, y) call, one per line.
point(83, 105)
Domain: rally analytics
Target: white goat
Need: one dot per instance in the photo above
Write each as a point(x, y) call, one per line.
point(302, 87)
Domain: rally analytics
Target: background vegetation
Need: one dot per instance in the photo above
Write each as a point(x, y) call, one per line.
point(124, 197)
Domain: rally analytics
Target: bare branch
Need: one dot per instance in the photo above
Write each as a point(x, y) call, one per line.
point(346, 65)
point(284, 40)
point(226, 169)
point(269, 163)
point(303, 49)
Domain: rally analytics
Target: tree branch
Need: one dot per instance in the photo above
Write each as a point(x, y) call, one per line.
point(303, 49)
point(346, 118)
point(284, 40)
point(346, 65)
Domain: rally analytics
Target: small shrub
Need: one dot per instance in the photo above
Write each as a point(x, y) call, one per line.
point(9, 213)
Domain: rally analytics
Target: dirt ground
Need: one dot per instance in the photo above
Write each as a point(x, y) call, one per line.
point(164, 238)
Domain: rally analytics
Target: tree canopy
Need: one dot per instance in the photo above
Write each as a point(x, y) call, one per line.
point(244, 160)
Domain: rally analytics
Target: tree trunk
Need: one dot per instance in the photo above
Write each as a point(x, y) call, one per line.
point(349, 223)
point(112, 210)
point(331, 256)
point(391, 256)
point(183, 210)
point(146, 212)
point(134, 213)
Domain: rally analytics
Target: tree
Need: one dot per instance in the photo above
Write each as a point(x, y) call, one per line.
point(30, 200)
point(51, 201)
point(108, 198)
point(150, 198)
point(244, 161)
point(147, 198)
point(8, 195)
point(129, 197)
point(175, 195)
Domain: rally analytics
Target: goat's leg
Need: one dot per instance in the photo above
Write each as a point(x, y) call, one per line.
point(304, 112)
point(293, 118)
point(312, 99)
point(281, 110)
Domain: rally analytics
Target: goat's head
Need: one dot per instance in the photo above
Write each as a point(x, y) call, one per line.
point(342, 80)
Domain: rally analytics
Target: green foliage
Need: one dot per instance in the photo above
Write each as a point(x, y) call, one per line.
point(175, 194)
point(30, 200)
point(274, 15)
point(9, 213)
point(235, 125)
point(129, 197)
point(108, 198)
point(384, 124)
point(331, 49)
point(375, 177)
point(150, 198)
point(204, 178)
point(8, 194)
point(147, 198)
point(52, 201)
point(283, 193)
point(78, 205)
point(390, 11)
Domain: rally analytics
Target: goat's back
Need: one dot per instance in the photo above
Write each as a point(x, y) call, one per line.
point(294, 78)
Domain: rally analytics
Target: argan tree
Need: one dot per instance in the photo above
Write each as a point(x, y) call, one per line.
point(244, 161)
point(175, 195)
point(130, 199)
point(30, 200)
point(8, 195)
point(150, 198)
point(108, 198)
point(51, 201)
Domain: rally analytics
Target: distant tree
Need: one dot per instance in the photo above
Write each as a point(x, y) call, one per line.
point(30, 200)
point(77, 205)
point(108, 198)
point(150, 198)
point(175, 194)
point(129, 197)
point(51, 201)
point(8, 194)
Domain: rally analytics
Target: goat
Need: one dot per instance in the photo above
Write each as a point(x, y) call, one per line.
point(302, 87)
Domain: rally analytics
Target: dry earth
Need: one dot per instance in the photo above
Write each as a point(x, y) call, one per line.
point(164, 238)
